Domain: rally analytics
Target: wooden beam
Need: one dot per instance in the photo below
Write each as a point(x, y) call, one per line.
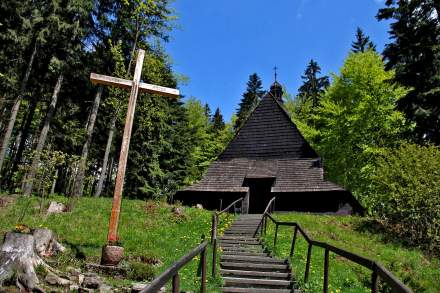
point(126, 84)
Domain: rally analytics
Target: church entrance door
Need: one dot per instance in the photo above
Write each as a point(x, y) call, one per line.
point(259, 193)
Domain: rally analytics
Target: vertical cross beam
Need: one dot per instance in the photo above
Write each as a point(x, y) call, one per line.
point(117, 197)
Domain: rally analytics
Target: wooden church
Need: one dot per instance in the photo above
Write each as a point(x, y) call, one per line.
point(269, 157)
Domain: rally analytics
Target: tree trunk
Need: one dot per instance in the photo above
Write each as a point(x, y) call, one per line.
point(24, 136)
point(42, 139)
point(54, 182)
point(108, 179)
point(16, 107)
point(437, 9)
point(133, 50)
point(106, 154)
point(79, 183)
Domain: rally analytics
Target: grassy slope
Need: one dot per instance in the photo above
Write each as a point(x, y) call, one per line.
point(147, 230)
point(418, 271)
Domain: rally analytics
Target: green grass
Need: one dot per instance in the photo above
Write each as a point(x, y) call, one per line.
point(418, 271)
point(149, 231)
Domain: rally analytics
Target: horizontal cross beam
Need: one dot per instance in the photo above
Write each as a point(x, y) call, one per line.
point(127, 84)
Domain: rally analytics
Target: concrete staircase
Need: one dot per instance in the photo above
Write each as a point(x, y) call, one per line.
point(246, 266)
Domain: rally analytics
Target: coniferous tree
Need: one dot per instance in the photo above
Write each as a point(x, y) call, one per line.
point(218, 124)
point(362, 42)
point(254, 92)
point(313, 86)
point(414, 54)
point(207, 111)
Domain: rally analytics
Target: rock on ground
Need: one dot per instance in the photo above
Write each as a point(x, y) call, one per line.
point(56, 208)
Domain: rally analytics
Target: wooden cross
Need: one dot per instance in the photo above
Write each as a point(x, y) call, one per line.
point(136, 86)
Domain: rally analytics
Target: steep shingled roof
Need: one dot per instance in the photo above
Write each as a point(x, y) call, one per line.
point(268, 133)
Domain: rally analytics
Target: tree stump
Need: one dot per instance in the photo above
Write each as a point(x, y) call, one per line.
point(21, 253)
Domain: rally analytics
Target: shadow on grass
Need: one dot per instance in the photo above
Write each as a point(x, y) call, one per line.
point(77, 249)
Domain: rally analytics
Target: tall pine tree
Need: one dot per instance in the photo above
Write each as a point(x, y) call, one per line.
point(253, 94)
point(414, 54)
point(362, 42)
point(313, 85)
point(218, 124)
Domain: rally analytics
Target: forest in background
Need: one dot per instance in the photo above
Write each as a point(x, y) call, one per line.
point(376, 123)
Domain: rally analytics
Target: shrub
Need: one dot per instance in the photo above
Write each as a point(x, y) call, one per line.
point(405, 192)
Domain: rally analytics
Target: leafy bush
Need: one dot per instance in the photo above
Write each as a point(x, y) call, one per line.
point(405, 192)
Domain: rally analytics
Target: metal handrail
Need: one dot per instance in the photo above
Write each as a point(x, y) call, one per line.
point(378, 270)
point(173, 272)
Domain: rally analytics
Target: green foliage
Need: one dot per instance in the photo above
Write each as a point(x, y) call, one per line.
point(405, 192)
point(209, 137)
point(356, 119)
point(414, 54)
point(254, 92)
point(411, 266)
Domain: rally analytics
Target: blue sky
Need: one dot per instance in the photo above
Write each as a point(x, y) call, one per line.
point(220, 43)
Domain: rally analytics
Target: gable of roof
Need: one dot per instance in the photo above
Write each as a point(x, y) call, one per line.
point(268, 133)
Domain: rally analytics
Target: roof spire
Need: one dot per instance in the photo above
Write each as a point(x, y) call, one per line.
point(276, 90)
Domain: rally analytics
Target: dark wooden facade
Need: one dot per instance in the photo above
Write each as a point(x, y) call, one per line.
point(269, 157)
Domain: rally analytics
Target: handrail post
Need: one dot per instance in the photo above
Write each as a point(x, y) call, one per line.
point(214, 257)
point(221, 204)
point(265, 224)
point(203, 281)
point(374, 279)
point(309, 255)
point(292, 248)
point(326, 260)
point(213, 227)
point(275, 238)
point(214, 243)
point(176, 283)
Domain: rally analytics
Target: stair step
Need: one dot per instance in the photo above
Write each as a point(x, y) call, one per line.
point(254, 266)
point(255, 274)
point(238, 232)
point(229, 237)
point(246, 247)
point(236, 241)
point(244, 253)
point(232, 250)
point(255, 283)
point(253, 259)
point(254, 290)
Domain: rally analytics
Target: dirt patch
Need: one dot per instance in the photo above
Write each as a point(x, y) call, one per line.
point(6, 200)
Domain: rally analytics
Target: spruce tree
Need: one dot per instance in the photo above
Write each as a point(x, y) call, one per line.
point(207, 111)
point(362, 42)
point(253, 94)
point(414, 54)
point(218, 124)
point(313, 86)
